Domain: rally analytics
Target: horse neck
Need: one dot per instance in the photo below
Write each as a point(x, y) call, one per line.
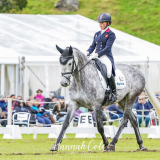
point(82, 60)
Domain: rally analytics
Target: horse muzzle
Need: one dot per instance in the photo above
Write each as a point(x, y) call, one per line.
point(65, 82)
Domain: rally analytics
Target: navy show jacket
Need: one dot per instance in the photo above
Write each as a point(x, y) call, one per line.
point(103, 45)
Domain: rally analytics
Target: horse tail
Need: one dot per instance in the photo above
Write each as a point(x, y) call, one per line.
point(153, 99)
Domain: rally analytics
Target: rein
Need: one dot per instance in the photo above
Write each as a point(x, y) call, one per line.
point(81, 68)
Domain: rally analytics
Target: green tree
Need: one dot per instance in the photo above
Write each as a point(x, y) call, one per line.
point(8, 5)
point(21, 3)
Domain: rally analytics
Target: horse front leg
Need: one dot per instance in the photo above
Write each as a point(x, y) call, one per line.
point(98, 113)
point(72, 107)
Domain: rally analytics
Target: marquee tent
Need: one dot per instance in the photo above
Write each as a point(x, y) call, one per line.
point(34, 37)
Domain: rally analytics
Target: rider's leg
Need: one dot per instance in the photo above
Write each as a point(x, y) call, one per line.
point(113, 87)
point(105, 60)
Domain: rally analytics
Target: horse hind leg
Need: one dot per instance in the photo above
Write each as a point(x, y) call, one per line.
point(98, 113)
point(124, 121)
point(134, 123)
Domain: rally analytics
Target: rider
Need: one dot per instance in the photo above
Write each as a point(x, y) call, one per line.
point(103, 41)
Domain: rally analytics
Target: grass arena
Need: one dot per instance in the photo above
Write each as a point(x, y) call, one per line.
point(77, 148)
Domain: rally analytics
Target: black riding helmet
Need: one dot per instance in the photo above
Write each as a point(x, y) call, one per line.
point(104, 17)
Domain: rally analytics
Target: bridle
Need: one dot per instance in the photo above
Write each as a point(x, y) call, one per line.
point(64, 60)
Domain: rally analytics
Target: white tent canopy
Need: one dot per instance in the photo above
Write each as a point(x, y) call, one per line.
point(35, 37)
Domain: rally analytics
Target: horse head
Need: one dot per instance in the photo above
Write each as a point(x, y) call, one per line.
point(68, 64)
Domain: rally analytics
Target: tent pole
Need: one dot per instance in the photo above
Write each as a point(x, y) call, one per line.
point(21, 72)
point(146, 70)
point(2, 78)
point(17, 80)
point(47, 81)
point(9, 118)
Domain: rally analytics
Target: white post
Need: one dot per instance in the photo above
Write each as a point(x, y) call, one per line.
point(2, 78)
point(35, 132)
point(9, 118)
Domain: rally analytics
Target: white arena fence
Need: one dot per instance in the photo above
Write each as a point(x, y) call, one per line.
point(15, 132)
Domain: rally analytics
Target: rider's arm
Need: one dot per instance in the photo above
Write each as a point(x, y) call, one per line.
point(92, 47)
point(108, 46)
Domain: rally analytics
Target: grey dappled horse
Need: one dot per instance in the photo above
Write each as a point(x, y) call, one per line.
point(85, 89)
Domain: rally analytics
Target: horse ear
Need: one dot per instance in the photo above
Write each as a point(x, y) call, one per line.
point(59, 49)
point(70, 51)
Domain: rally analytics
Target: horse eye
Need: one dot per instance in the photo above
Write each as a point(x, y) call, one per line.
point(69, 64)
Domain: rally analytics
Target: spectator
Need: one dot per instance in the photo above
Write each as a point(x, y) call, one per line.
point(6, 102)
point(49, 116)
point(54, 100)
point(143, 94)
point(21, 107)
point(34, 112)
point(40, 96)
point(31, 111)
point(46, 105)
point(60, 109)
point(13, 97)
point(3, 106)
point(143, 105)
point(116, 110)
point(40, 117)
point(15, 103)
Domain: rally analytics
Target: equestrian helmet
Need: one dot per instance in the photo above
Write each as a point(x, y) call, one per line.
point(104, 17)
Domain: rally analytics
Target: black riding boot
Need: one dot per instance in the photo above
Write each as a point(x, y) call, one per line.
point(113, 89)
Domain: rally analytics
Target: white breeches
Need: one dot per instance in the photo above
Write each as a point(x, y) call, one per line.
point(105, 60)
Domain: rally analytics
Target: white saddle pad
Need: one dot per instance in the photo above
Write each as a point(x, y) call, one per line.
point(119, 80)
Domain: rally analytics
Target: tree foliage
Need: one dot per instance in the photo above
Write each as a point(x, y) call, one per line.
point(8, 5)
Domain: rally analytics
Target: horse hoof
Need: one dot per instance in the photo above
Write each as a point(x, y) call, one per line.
point(110, 148)
point(144, 149)
point(53, 148)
